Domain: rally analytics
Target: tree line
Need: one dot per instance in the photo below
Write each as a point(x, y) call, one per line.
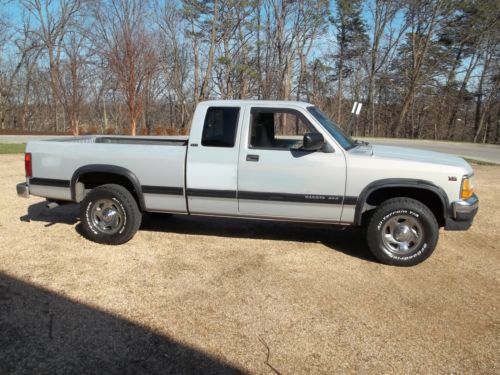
point(422, 68)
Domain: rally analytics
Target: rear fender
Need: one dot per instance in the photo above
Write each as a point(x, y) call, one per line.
point(106, 169)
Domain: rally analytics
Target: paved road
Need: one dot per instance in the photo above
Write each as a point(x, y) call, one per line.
point(26, 138)
point(488, 153)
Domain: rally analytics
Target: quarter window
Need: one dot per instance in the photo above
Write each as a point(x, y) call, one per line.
point(220, 127)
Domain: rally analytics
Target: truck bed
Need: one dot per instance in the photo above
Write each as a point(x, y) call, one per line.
point(158, 163)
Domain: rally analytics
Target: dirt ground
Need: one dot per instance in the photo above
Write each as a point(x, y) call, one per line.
point(228, 296)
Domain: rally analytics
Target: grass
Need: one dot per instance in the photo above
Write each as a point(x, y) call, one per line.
point(12, 148)
point(479, 162)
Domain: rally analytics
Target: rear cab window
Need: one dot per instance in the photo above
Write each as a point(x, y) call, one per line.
point(220, 127)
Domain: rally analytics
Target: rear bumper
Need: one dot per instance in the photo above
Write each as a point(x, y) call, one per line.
point(462, 214)
point(23, 190)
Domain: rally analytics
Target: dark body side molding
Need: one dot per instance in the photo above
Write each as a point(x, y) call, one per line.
point(399, 183)
point(360, 201)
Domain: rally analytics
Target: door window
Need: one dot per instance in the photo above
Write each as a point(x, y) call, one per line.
point(277, 128)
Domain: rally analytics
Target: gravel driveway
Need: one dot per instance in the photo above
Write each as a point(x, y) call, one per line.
point(231, 296)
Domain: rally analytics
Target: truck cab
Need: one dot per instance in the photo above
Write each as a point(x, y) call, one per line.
point(250, 160)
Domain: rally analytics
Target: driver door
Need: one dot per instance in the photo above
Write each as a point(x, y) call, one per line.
point(277, 179)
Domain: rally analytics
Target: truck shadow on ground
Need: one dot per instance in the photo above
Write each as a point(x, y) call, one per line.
point(350, 241)
point(43, 332)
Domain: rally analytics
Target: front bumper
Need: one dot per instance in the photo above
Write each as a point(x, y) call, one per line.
point(462, 214)
point(23, 190)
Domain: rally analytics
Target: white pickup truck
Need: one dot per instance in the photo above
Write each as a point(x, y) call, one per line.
point(271, 160)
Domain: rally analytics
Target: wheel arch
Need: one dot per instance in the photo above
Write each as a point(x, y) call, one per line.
point(101, 174)
point(381, 190)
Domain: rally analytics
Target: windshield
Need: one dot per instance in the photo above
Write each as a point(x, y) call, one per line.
point(345, 141)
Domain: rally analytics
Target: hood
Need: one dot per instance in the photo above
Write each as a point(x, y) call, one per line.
point(413, 154)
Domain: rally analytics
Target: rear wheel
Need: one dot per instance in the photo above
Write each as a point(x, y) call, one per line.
point(402, 232)
point(110, 215)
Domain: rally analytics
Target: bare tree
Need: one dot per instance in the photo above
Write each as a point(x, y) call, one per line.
point(128, 49)
point(174, 60)
point(422, 18)
point(71, 78)
point(203, 18)
point(426, 68)
point(53, 20)
point(384, 39)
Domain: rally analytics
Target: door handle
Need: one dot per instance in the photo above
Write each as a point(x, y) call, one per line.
point(252, 157)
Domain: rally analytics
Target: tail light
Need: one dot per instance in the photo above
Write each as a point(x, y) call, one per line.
point(27, 165)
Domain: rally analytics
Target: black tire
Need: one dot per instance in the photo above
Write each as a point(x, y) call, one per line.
point(402, 232)
point(110, 215)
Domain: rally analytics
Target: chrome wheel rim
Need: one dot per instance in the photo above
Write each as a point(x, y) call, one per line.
point(402, 234)
point(107, 216)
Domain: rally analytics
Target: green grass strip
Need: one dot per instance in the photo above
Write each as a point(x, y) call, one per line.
point(12, 148)
point(479, 162)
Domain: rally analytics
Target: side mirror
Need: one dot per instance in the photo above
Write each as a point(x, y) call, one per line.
point(312, 141)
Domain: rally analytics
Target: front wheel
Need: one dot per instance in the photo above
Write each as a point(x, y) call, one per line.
point(402, 232)
point(110, 215)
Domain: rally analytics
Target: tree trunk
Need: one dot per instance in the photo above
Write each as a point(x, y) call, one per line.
point(243, 89)
point(478, 120)
point(452, 120)
point(211, 52)
point(75, 126)
point(419, 55)
point(194, 44)
point(133, 122)
point(105, 114)
point(497, 130)
point(339, 93)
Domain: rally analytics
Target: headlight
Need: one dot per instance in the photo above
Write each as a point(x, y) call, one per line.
point(467, 188)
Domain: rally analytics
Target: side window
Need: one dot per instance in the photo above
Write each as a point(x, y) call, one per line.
point(220, 127)
point(277, 128)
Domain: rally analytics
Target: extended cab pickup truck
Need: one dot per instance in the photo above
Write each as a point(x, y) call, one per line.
point(271, 160)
